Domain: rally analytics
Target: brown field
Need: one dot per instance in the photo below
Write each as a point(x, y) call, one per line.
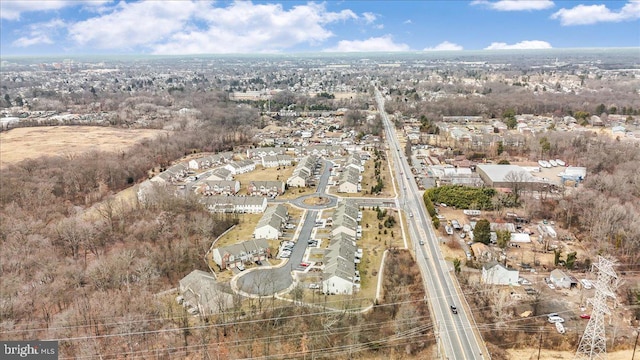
point(27, 143)
point(532, 353)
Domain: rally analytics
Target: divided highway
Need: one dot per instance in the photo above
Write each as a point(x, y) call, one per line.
point(455, 334)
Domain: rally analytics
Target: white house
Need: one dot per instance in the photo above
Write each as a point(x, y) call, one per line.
point(562, 280)
point(349, 181)
point(497, 274)
point(338, 277)
point(271, 224)
point(240, 167)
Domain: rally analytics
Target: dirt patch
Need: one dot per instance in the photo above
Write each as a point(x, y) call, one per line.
point(316, 200)
point(28, 143)
point(532, 353)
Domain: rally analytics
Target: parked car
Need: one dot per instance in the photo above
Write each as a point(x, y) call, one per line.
point(454, 309)
point(585, 316)
point(314, 286)
point(551, 286)
point(240, 267)
point(555, 319)
point(304, 264)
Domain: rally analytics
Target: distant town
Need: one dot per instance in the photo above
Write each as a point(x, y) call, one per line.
point(487, 193)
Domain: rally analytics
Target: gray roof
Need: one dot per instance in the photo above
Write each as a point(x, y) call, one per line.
point(498, 173)
point(201, 288)
point(339, 267)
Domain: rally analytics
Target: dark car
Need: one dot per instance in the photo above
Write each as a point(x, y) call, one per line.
point(454, 309)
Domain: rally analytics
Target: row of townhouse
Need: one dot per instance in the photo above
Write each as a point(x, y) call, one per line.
point(339, 273)
point(209, 161)
point(349, 181)
point(303, 172)
point(321, 150)
point(351, 176)
point(272, 223)
point(229, 257)
point(218, 187)
point(235, 204)
point(175, 173)
point(201, 290)
point(232, 187)
point(240, 167)
point(260, 152)
point(276, 160)
point(266, 188)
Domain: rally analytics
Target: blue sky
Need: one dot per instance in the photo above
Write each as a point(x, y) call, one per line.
point(61, 27)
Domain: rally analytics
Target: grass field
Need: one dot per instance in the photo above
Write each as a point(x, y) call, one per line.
point(369, 180)
point(243, 231)
point(33, 142)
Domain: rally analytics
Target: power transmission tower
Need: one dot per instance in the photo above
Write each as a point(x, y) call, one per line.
point(593, 344)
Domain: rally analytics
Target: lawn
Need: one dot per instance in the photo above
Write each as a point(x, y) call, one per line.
point(241, 232)
point(261, 173)
point(369, 180)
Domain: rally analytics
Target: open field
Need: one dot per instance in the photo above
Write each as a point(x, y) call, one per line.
point(33, 142)
point(243, 231)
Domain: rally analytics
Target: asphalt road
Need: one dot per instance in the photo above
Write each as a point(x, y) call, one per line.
point(454, 331)
point(268, 281)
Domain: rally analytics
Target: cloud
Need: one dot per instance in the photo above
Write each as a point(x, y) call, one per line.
point(523, 45)
point(11, 10)
point(407, 22)
point(382, 43)
point(134, 24)
point(243, 27)
point(445, 46)
point(196, 27)
point(40, 33)
point(515, 5)
point(369, 17)
point(592, 14)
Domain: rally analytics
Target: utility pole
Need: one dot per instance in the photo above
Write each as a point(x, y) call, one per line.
point(636, 344)
point(540, 342)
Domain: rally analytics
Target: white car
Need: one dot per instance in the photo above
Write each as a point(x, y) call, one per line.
point(555, 319)
point(314, 286)
point(551, 286)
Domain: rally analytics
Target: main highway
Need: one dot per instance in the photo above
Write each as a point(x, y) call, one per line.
point(457, 337)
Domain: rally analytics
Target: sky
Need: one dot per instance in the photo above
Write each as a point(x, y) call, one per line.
point(167, 27)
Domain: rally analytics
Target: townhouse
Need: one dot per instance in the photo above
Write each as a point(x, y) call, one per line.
point(276, 160)
point(219, 187)
point(235, 204)
point(229, 257)
point(272, 222)
point(266, 188)
point(240, 167)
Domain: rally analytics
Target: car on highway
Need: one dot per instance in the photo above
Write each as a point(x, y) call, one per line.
point(454, 309)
